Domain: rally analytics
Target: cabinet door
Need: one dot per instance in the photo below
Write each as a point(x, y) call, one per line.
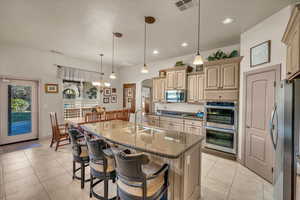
point(155, 90)
point(212, 74)
point(180, 80)
point(200, 87)
point(197, 130)
point(293, 52)
point(170, 80)
point(229, 76)
point(162, 84)
point(191, 88)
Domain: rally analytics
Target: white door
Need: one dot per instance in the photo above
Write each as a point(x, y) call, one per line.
point(18, 111)
point(260, 103)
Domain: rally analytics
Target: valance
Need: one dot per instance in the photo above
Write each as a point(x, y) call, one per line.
point(75, 74)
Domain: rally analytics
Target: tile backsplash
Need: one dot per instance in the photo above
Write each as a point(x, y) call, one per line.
point(182, 107)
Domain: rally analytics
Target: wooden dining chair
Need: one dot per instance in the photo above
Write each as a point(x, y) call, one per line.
point(59, 132)
point(110, 115)
point(93, 117)
point(123, 115)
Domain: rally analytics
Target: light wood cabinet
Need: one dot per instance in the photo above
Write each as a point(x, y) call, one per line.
point(170, 80)
point(180, 79)
point(212, 74)
point(292, 40)
point(229, 76)
point(195, 91)
point(176, 78)
point(159, 89)
point(222, 79)
point(192, 88)
point(193, 129)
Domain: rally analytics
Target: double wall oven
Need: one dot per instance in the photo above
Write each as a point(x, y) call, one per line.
point(221, 126)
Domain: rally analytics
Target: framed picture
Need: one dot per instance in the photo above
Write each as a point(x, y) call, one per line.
point(51, 88)
point(107, 91)
point(260, 54)
point(113, 90)
point(113, 99)
point(106, 100)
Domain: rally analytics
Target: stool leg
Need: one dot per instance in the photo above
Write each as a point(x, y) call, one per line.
point(74, 167)
point(105, 189)
point(82, 175)
point(91, 185)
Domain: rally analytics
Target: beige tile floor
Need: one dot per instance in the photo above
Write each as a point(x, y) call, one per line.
point(40, 173)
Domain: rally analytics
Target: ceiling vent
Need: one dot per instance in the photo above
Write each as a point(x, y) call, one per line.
point(184, 4)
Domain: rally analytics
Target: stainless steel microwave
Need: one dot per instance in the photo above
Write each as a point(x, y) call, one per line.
point(175, 96)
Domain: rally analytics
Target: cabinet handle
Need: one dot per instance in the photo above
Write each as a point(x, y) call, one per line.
point(220, 97)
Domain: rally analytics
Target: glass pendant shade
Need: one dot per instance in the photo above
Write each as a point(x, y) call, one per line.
point(198, 60)
point(95, 83)
point(113, 75)
point(145, 70)
point(107, 84)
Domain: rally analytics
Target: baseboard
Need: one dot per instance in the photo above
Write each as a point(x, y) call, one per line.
point(19, 142)
point(221, 154)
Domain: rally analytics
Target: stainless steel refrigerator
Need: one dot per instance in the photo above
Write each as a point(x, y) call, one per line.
point(284, 130)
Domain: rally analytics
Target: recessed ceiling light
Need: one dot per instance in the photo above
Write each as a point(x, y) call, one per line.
point(184, 44)
point(227, 21)
point(155, 52)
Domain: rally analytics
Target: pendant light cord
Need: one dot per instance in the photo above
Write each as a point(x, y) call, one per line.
point(101, 68)
point(145, 43)
point(113, 53)
point(199, 21)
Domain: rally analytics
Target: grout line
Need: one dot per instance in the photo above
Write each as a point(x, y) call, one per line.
point(34, 171)
point(230, 188)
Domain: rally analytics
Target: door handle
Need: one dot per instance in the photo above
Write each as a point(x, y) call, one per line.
point(272, 127)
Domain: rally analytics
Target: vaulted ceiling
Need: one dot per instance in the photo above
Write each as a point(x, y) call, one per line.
point(83, 28)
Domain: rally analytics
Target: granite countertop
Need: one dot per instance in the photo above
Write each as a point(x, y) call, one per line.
point(164, 143)
point(177, 116)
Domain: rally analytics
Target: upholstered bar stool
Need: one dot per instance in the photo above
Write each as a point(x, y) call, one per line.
point(137, 181)
point(80, 155)
point(102, 165)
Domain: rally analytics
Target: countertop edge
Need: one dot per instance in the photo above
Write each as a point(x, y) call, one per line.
point(143, 150)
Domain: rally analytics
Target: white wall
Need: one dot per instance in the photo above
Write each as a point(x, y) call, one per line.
point(272, 29)
point(133, 75)
point(33, 64)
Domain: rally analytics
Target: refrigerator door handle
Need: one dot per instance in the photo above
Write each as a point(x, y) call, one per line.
point(272, 127)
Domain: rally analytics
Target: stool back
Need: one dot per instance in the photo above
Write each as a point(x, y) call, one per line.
point(76, 146)
point(129, 166)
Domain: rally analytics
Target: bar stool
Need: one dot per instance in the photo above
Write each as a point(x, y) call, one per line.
point(80, 155)
point(137, 181)
point(102, 165)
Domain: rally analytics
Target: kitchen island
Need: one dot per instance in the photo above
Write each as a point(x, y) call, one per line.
point(182, 151)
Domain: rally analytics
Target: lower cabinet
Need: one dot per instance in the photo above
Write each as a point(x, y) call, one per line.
point(193, 129)
point(171, 124)
point(174, 124)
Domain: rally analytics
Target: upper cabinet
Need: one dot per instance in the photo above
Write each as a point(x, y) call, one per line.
point(212, 77)
point(159, 89)
point(195, 91)
point(229, 76)
point(222, 79)
point(176, 78)
point(292, 39)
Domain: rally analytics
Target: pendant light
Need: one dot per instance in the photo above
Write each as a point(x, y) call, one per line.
point(148, 20)
point(198, 58)
point(101, 84)
point(113, 74)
